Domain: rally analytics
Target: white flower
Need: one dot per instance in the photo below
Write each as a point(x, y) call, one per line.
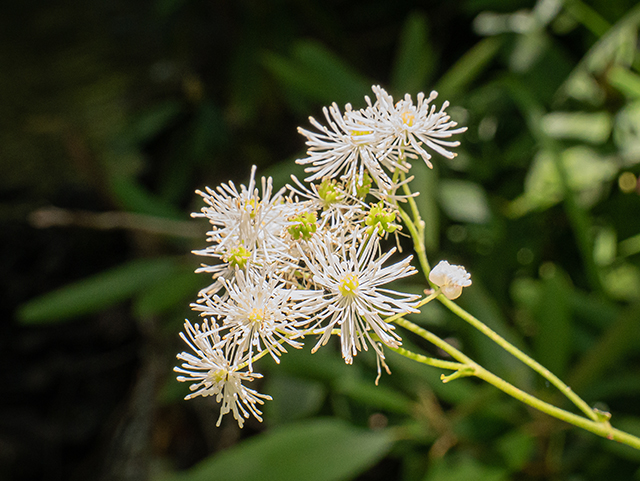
point(381, 136)
point(406, 129)
point(345, 150)
point(450, 279)
point(259, 313)
point(349, 276)
point(246, 230)
point(216, 372)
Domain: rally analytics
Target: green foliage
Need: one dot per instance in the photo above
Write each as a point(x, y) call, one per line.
point(319, 450)
point(98, 292)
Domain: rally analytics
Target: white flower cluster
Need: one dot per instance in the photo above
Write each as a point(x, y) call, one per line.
point(307, 260)
point(384, 135)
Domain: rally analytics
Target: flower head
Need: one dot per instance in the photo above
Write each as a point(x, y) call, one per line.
point(217, 372)
point(246, 229)
point(346, 149)
point(378, 140)
point(349, 276)
point(258, 313)
point(407, 128)
point(450, 279)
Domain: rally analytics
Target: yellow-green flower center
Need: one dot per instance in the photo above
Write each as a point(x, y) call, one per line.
point(251, 207)
point(219, 375)
point(256, 316)
point(238, 257)
point(408, 118)
point(348, 285)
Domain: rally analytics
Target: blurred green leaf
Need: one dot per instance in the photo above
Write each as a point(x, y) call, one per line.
point(97, 292)
point(134, 197)
point(613, 345)
point(516, 448)
point(626, 133)
point(625, 81)
point(459, 468)
point(553, 339)
point(168, 292)
point(415, 59)
point(378, 397)
point(468, 68)
point(464, 201)
point(616, 47)
point(622, 282)
point(151, 122)
point(293, 397)
point(324, 365)
point(589, 127)
point(317, 74)
point(319, 450)
point(604, 246)
point(426, 182)
point(587, 172)
point(631, 425)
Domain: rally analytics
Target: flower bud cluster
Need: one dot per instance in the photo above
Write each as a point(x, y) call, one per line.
point(307, 260)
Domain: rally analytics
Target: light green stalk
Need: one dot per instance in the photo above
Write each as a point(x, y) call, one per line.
point(595, 421)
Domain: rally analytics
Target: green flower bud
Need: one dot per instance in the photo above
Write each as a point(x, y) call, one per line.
point(328, 192)
point(380, 220)
point(304, 227)
point(238, 257)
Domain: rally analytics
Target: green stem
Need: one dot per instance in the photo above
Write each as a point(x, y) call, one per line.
point(467, 367)
point(480, 326)
point(532, 363)
point(429, 361)
point(418, 243)
point(435, 340)
point(600, 427)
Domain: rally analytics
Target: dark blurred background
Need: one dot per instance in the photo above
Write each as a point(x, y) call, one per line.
point(113, 113)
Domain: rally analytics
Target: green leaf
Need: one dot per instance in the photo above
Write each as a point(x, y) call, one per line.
point(469, 67)
point(616, 343)
point(415, 58)
point(319, 450)
point(625, 81)
point(293, 397)
point(464, 201)
point(516, 447)
point(426, 182)
point(554, 323)
point(588, 174)
point(95, 293)
point(378, 397)
point(626, 134)
point(168, 292)
point(134, 197)
point(458, 468)
point(317, 74)
point(146, 125)
point(591, 127)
